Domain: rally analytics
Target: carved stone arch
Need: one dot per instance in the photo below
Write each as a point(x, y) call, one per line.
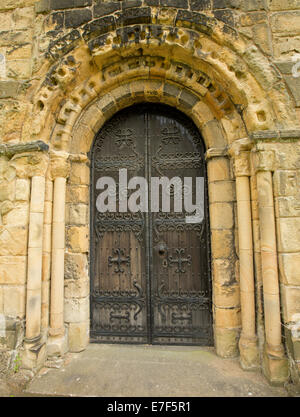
point(125, 77)
point(77, 135)
point(96, 113)
point(209, 59)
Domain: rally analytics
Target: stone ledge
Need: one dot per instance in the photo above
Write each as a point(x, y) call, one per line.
point(44, 6)
point(275, 134)
point(11, 150)
point(216, 152)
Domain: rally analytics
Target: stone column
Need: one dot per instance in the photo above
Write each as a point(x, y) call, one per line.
point(34, 346)
point(249, 357)
point(57, 343)
point(47, 243)
point(226, 294)
point(35, 246)
point(260, 328)
point(275, 363)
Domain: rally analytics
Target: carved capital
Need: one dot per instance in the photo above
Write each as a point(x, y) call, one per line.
point(30, 164)
point(59, 164)
point(240, 152)
point(263, 160)
point(216, 152)
point(242, 165)
point(239, 146)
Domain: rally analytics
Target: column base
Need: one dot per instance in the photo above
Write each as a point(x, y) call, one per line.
point(275, 366)
point(249, 354)
point(57, 344)
point(226, 342)
point(33, 354)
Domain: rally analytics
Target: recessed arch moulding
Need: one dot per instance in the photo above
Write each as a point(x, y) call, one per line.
point(200, 66)
point(211, 63)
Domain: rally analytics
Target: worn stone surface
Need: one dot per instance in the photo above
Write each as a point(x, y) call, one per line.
point(142, 371)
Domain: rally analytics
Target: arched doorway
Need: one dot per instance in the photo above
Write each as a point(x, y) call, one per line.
point(150, 266)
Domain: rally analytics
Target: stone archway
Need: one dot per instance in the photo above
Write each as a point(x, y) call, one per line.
point(224, 263)
point(102, 69)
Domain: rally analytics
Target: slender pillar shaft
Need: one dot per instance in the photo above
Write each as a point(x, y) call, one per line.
point(248, 348)
point(34, 271)
point(57, 267)
point(269, 261)
point(246, 257)
point(260, 329)
point(47, 239)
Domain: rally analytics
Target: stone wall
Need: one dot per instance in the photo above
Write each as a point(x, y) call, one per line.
point(66, 66)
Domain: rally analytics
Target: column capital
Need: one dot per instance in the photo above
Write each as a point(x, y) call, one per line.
point(216, 152)
point(59, 164)
point(29, 159)
point(239, 146)
point(240, 152)
point(263, 160)
point(30, 164)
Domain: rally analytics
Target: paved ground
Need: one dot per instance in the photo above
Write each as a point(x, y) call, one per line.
point(125, 370)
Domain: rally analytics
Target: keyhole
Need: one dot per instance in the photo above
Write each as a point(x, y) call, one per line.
point(162, 249)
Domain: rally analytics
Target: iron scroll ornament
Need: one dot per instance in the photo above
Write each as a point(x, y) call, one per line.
point(115, 299)
point(180, 260)
point(119, 259)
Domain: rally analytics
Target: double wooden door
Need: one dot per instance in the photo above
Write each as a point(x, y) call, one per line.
point(150, 274)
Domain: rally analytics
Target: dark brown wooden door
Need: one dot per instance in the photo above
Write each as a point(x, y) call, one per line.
point(150, 271)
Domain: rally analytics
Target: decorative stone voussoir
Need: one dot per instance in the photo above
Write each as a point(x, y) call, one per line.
point(133, 16)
